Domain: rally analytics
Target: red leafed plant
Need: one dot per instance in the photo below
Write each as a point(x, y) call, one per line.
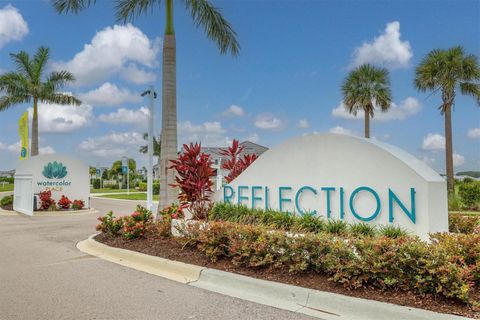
point(235, 163)
point(78, 204)
point(194, 173)
point(46, 200)
point(64, 202)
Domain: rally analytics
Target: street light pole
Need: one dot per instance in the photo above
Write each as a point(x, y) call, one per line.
point(152, 95)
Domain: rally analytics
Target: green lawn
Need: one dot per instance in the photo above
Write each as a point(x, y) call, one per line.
point(133, 196)
point(7, 187)
point(106, 190)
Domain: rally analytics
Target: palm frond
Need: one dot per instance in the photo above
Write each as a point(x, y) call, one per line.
point(23, 64)
point(14, 84)
point(130, 9)
point(39, 61)
point(8, 101)
point(59, 79)
point(214, 24)
point(471, 89)
point(60, 98)
point(75, 6)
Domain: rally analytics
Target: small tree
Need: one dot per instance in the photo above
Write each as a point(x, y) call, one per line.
point(236, 164)
point(194, 173)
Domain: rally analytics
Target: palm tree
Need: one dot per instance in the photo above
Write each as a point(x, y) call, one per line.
point(366, 88)
point(27, 84)
point(445, 71)
point(156, 146)
point(218, 29)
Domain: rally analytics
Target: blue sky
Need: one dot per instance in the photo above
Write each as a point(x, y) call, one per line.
point(285, 82)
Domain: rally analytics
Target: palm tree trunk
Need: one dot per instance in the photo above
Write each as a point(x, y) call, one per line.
point(367, 125)
point(34, 147)
point(449, 149)
point(168, 194)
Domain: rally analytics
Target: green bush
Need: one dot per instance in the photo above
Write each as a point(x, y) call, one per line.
point(113, 186)
point(454, 202)
point(130, 227)
point(363, 229)
point(6, 201)
point(391, 231)
point(96, 183)
point(470, 194)
point(448, 266)
point(142, 186)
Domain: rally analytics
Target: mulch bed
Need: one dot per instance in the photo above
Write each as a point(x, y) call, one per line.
point(8, 207)
point(171, 248)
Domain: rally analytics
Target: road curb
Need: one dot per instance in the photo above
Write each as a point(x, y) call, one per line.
point(173, 270)
point(315, 303)
point(49, 213)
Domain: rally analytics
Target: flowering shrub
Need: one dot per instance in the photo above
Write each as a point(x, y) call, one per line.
point(47, 203)
point(448, 266)
point(64, 203)
point(7, 200)
point(109, 224)
point(130, 227)
point(236, 164)
point(175, 211)
point(459, 223)
point(78, 204)
point(194, 173)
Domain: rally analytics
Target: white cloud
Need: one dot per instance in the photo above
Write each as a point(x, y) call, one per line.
point(406, 108)
point(458, 160)
point(113, 145)
point(109, 94)
point(340, 130)
point(268, 121)
point(12, 25)
point(122, 115)
point(46, 150)
point(303, 123)
point(234, 111)
point(253, 138)
point(385, 50)
point(474, 133)
point(433, 141)
point(428, 160)
point(132, 73)
point(208, 133)
point(112, 51)
point(15, 148)
point(55, 118)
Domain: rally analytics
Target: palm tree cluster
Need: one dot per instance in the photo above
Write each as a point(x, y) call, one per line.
point(443, 70)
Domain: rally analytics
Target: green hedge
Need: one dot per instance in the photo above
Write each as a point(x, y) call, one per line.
point(469, 192)
point(6, 201)
point(297, 223)
point(142, 186)
point(448, 266)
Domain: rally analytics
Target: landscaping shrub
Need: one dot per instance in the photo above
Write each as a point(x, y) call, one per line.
point(64, 202)
point(235, 164)
point(96, 183)
point(113, 186)
point(142, 186)
point(448, 266)
point(78, 204)
point(8, 200)
point(363, 229)
point(469, 192)
point(459, 223)
point(392, 231)
point(130, 227)
point(47, 203)
point(194, 173)
point(454, 202)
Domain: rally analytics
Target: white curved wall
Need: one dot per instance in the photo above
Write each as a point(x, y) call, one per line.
point(347, 162)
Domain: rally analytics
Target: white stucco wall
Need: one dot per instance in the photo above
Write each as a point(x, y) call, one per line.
point(332, 160)
point(77, 177)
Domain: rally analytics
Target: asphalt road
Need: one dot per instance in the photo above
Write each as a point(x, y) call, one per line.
point(44, 276)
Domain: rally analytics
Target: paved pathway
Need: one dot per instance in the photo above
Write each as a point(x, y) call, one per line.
point(43, 276)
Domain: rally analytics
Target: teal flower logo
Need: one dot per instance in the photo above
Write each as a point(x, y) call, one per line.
point(55, 170)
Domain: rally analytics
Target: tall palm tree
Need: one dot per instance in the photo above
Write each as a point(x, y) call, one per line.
point(447, 71)
point(204, 15)
point(366, 88)
point(156, 145)
point(28, 83)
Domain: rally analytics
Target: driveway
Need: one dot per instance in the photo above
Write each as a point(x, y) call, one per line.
point(43, 276)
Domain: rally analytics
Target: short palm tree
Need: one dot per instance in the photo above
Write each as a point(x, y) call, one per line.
point(366, 88)
point(156, 146)
point(27, 84)
point(205, 15)
point(447, 71)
